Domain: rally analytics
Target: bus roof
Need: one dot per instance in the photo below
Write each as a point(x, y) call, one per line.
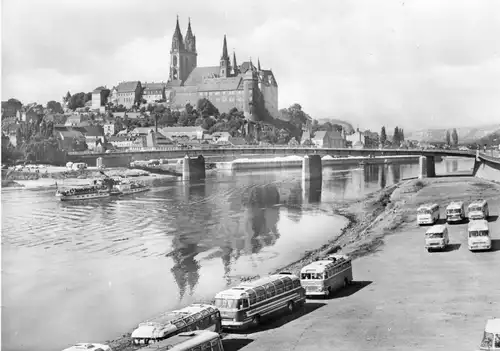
point(478, 202)
point(169, 317)
point(455, 204)
point(237, 291)
point(493, 326)
point(480, 224)
point(427, 206)
point(438, 228)
point(325, 263)
point(185, 340)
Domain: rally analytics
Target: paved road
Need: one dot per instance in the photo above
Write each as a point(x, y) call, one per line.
point(405, 297)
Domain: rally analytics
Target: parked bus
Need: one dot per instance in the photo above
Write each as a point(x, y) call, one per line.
point(436, 237)
point(478, 209)
point(196, 340)
point(455, 212)
point(326, 275)
point(192, 317)
point(491, 335)
point(479, 235)
point(428, 214)
point(245, 304)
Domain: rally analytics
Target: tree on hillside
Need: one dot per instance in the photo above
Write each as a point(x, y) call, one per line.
point(54, 106)
point(448, 138)
point(206, 108)
point(295, 115)
point(396, 139)
point(76, 101)
point(454, 137)
point(383, 136)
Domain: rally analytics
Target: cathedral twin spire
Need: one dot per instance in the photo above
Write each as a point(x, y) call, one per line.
point(178, 43)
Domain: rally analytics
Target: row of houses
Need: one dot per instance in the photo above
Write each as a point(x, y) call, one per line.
point(128, 93)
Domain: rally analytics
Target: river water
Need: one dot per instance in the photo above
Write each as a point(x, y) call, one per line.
point(90, 271)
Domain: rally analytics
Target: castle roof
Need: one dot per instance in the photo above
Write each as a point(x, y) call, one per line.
point(153, 86)
point(217, 84)
point(127, 87)
point(199, 73)
point(245, 66)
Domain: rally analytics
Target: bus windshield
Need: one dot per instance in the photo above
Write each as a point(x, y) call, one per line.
point(435, 235)
point(316, 276)
point(228, 303)
point(424, 211)
point(475, 208)
point(478, 233)
point(454, 210)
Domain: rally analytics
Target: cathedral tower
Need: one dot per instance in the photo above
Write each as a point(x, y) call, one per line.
point(183, 56)
point(225, 66)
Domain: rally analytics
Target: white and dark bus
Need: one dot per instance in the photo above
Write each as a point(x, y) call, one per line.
point(244, 305)
point(166, 325)
point(326, 275)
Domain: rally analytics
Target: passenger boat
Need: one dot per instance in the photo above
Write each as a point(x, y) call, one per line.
point(97, 190)
point(126, 187)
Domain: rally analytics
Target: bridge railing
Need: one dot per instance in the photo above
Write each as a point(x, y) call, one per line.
point(285, 148)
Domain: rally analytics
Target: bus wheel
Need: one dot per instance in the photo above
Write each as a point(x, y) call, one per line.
point(256, 321)
point(290, 307)
point(346, 282)
point(329, 292)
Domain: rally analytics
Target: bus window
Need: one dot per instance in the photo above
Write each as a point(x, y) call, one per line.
point(226, 303)
point(253, 298)
point(296, 283)
point(271, 291)
point(189, 319)
point(280, 287)
point(196, 348)
point(288, 285)
point(244, 303)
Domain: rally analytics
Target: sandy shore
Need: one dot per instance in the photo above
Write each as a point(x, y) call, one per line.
point(65, 178)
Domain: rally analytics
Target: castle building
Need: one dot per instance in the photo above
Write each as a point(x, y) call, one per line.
point(228, 85)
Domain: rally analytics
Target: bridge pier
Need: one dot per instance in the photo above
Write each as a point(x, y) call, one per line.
point(427, 167)
point(311, 167)
point(193, 168)
point(311, 191)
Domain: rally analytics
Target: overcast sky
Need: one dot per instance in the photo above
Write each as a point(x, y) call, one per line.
point(412, 63)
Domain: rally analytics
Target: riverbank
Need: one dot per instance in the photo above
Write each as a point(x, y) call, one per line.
point(356, 237)
point(393, 302)
point(51, 176)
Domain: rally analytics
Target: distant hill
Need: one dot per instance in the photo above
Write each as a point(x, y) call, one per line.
point(347, 126)
point(465, 135)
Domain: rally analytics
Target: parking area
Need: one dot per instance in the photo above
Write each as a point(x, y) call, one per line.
point(405, 298)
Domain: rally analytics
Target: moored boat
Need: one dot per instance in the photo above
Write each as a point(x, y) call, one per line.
point(99, 189)
point(126, 187)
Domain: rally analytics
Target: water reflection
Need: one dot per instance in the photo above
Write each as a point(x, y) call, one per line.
point(311, 190)
point(382, 181)
point(187, 236)
point(370, 173)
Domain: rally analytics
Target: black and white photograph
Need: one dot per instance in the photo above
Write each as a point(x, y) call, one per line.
point(250, 175)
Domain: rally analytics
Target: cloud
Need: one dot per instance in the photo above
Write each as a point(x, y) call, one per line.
point(408, 62)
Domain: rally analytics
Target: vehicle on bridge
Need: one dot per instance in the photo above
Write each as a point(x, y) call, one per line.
point(478, 209)
point(326, 275)
point(428, 214)
point(455, 212)
point(169, 324)
point(491, 336)
point(244, 305)
point(189, 341)
point(479, 235)
point(437, 237)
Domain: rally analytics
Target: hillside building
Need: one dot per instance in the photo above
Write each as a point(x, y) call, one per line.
point(227, 85)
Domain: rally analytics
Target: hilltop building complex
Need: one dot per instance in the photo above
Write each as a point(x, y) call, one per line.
point(226, 85)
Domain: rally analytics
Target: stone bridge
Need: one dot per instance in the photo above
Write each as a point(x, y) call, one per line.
point(427, 166)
